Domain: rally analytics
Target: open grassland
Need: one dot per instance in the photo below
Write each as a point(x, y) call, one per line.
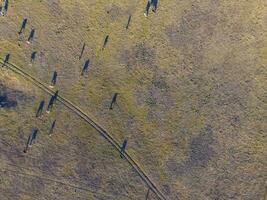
point(192, 99)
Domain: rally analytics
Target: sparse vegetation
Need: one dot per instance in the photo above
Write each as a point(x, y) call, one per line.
point(191, 80)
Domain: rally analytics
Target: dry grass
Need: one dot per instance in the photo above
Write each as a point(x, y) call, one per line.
point(192, 98)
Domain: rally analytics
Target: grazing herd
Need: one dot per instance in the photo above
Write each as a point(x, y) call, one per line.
point(151, 4)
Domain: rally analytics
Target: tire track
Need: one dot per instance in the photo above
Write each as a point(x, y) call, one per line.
point(90, 121)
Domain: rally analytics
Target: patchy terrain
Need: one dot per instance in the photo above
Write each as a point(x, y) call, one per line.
point(192, 91)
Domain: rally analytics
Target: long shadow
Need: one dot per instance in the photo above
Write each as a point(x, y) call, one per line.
point(40, 108)
point(34, 135)
point(51, 130)
point(54, 78)
point(123, 147)
point(31, 137)
point(6, 60)
point(147, 7)
point(128, 22)
point(81, 54)
point(52, 101)
point(113, 101)
point(86, 66)
point(105, 42)
point(31, 36)
point(154, 4)
point(33, 56)
point(56, 95)
point(50, 104)
point(23, 25)
point(6, 5)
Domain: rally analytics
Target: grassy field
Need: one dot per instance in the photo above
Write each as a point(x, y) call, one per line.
point(192, 91)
